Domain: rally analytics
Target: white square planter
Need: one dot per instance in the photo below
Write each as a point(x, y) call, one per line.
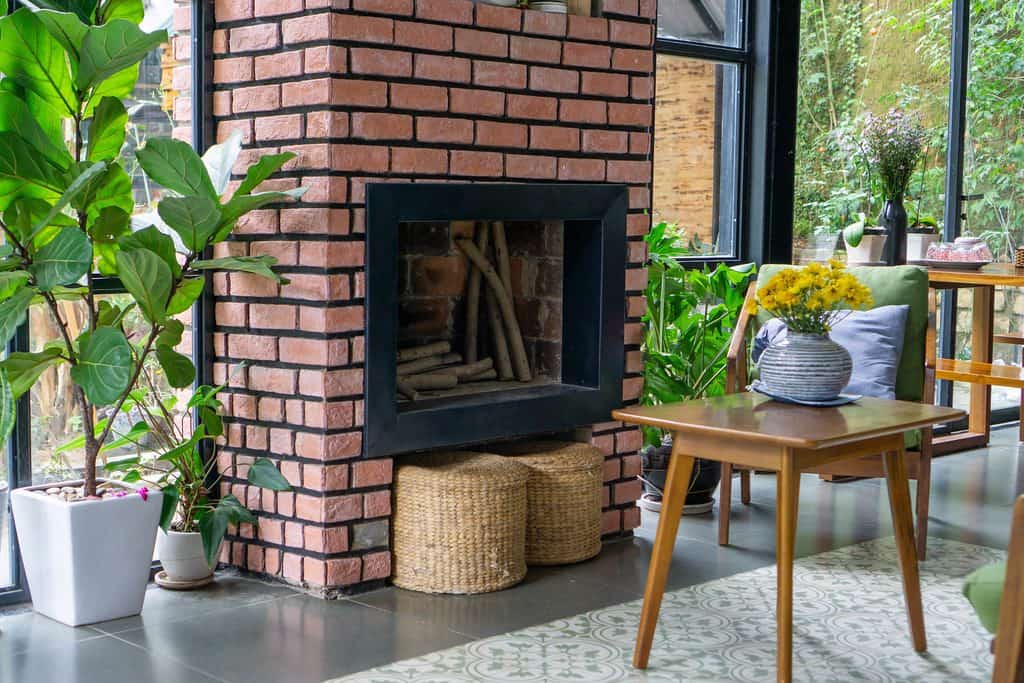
point(86, 561)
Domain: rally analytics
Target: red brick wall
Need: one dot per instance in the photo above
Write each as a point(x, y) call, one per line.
point(403, 91)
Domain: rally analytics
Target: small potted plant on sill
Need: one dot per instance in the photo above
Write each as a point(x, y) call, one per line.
point(67, 204)
point(922, 232)
point(192, 523)
point(865, 243)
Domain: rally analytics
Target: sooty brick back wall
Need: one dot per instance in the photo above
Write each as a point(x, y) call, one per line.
point(395, 91)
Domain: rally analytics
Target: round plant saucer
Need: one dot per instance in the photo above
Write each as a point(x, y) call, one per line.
point(167, 582)
point(652, 503)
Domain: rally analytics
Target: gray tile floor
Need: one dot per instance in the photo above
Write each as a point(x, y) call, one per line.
point(245, 631)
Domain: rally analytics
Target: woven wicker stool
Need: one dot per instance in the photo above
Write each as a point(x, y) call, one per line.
point(459, 523)
point(563, 518)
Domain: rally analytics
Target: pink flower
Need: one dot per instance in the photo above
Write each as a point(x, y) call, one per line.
point(120, 494)
point(144, 492)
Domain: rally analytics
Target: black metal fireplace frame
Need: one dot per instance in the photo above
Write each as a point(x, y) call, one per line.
point(594, 219)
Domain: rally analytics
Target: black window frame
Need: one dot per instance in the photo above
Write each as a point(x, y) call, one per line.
point(20, 468)
point(767, 59)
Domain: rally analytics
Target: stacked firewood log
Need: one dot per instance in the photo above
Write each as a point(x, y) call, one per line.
point(433, 367)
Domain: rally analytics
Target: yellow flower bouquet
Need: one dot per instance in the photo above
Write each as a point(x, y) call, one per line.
point(811, 300)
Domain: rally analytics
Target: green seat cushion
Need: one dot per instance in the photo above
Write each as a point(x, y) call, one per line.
point(984, 590)
point(890, 285)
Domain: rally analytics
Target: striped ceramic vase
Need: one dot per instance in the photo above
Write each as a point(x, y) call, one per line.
point(807, 367)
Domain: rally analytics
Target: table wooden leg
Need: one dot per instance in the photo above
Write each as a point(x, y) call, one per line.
point(724, 504)
point(677, 482)
point(903, 524)
point(982, 323)
point(787, 500)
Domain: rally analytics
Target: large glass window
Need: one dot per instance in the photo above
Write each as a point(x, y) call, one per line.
point(702, 65)
point(43, 448)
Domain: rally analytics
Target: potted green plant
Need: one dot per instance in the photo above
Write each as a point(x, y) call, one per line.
point(192, 523)
point(865, 243)
point(687, 328)
point(66, 203)
point(922, 232)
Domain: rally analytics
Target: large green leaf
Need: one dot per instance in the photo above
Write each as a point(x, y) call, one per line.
point(195, 219)
point(121, 9)
point(16, 117)
point(171, 334)
point(261, 170)
point(151, 238)
point(213, 524)
point(112, 47)
point(110, 314)
point(7, 412)
point(258, 265)
point(176, 166)
point(34, 59)
point(104, 366)
point(25, 213)
point(11, 281)
point(185, 295)
point(12, 313)
point(121, 84)
point(179, 369)
point(21, 166)
point(262, 473)
point(63, 260)
point(148, 279)
point(239, 205)
point(85, 10)
point(169, 505)
point(110, 226)
point(67, 29)
point(79, 185)
point(23, 369)
point(107, 130)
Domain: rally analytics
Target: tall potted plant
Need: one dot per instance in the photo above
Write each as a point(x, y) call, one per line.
point(66, 203)
point(688, 324)
point(894, 142)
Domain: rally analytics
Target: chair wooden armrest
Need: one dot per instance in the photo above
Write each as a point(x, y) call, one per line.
point(736, 357)
point(1009, 645)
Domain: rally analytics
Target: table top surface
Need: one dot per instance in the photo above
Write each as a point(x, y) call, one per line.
point(753, 417)
point(993, 274)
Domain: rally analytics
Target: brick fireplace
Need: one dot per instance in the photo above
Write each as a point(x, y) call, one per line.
point(397, 91)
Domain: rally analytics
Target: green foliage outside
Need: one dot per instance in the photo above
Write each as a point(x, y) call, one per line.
point(689, 321)
point(861, 56)
point(65, 214)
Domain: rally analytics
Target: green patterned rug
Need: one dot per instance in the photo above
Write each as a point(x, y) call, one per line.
point(849, 625)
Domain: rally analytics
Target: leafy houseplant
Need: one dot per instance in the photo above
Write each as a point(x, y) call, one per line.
point(865, 243)
point(687, 327)
point(66, 203)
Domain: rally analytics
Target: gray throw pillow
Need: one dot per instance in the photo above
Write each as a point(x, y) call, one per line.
point(874, 339)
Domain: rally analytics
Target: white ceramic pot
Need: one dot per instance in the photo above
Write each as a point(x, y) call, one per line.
point(807, 367)
point(918, 243)
point(86, 561)
point(870, 250)
point(181, 555)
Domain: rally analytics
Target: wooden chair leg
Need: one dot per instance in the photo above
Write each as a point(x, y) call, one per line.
point(788, 496)
point(680, 466)
point(903, 524)
point(924, 486)
point(745, 487)
point(1020, 426)
point(1009, 645)
point(724, 504)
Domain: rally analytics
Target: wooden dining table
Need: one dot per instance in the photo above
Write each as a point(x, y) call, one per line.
point(978, 371)
point(752, 430)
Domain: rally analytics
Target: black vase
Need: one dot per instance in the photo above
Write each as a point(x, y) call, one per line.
point(703, 480)
point(894, 219)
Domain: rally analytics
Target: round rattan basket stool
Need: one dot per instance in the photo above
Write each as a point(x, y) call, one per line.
point(563, 513)
point(459, 523)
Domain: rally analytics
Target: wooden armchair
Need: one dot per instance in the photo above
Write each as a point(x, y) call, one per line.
point(915, 381)
point(997, 594)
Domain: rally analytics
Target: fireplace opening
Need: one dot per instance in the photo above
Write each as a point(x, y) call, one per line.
point(479, 308)
point(493, 311)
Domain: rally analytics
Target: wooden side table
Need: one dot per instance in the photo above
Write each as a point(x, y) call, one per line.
point(752, 430)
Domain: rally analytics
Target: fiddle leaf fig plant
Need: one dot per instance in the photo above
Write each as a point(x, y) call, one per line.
point(66, 205)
